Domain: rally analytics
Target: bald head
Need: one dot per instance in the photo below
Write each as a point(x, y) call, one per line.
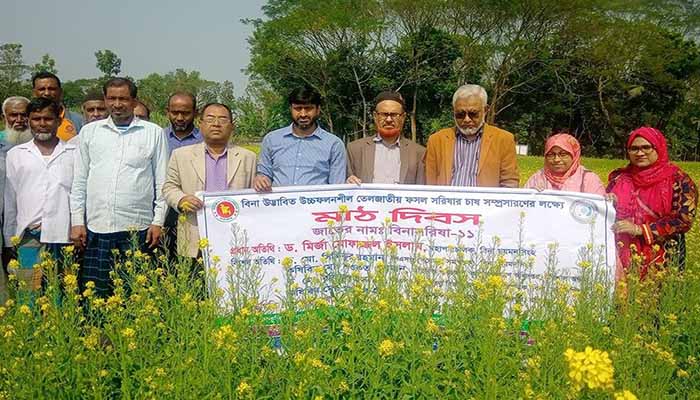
point(182, 108)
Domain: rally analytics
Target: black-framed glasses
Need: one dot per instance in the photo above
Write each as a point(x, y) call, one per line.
point(645, 148)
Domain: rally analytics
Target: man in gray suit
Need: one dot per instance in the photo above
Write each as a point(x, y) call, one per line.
point(387, 157)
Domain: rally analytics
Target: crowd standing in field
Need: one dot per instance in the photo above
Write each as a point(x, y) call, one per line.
point(92, 180)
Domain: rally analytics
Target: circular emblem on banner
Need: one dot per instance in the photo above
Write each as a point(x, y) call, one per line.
point(226, 210)
point(583, 211)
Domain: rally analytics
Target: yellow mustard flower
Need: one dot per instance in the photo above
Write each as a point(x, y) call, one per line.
point(591, 367)
point(70, 280)
point(346, 327)
point(432, 327)
point(388, 348)
point(244, 389)
point(625, 395)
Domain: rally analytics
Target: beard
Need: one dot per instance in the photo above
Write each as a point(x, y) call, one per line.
point(14, 136)
point(182, 127)
point(469, 131)
point(305, 125)
point(389, 133)
point(42, 137)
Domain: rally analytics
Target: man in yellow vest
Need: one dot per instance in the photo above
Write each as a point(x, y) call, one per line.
point(47, 85)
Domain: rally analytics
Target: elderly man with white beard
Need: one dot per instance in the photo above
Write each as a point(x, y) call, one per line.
point(37, 191)
point(14, 112)
point(472, 152)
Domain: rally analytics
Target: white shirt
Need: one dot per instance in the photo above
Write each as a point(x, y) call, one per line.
point(119, 176)
point(38, 191)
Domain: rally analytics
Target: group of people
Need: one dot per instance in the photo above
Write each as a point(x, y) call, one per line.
point(96, 180)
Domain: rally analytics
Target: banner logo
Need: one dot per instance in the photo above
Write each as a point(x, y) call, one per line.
point(583, 211)
point(226, 210)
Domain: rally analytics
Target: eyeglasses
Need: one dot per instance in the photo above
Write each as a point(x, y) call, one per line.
point(459, 115)
point(645, 148)
point(221, 120)
point(384, 115)
point(561, 156)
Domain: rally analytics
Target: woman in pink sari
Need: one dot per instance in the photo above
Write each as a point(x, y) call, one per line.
point(563, 170)
point(655, 202)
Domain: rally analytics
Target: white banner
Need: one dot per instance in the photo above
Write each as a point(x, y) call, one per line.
point(305, 223)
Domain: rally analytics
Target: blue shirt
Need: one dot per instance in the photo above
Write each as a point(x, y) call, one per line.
point(290, 160)
point(175, 142)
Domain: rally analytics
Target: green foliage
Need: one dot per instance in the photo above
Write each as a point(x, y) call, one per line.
point(595, 68)
point(12, 71)
point(155, 89)
point(259, 111)
point(108, 62)
point(47, 64)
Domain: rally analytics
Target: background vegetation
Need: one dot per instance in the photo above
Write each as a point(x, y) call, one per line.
point(597, 68)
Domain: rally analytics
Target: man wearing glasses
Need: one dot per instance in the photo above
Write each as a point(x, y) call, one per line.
point(387, 157)
point(216, 165)
point(472, 153)
point(302, 153)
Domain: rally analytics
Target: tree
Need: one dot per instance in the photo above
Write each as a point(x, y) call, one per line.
point(259, 111)
point(108, 62)
point(47, 64)
point(331, 46)
point(155, 89)
point(12, 71)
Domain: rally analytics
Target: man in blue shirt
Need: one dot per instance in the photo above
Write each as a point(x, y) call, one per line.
point(302, 153)
point(182, 108)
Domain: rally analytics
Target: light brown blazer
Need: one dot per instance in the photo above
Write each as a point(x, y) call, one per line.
point(361, 160)
point(498, 166)
point(187, 175)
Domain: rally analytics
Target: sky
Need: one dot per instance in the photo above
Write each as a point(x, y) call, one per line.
point(148, 35)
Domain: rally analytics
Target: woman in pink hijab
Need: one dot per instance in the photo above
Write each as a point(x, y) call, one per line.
point(563, 170)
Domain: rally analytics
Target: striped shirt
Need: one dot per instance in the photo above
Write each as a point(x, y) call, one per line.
point(291, 160)
point(465, 164)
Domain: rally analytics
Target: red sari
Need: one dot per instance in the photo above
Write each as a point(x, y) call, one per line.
point(652, 197)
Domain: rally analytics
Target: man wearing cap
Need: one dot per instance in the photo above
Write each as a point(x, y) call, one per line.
point(386, 157)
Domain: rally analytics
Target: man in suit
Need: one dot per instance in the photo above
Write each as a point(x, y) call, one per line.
point(215, 165)
point(387, 157)
point(472, 153)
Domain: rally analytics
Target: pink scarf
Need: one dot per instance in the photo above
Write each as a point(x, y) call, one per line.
point(570, 145)
point(644, 195)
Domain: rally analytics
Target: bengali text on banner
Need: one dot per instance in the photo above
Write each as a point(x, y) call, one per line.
point(307, 223)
